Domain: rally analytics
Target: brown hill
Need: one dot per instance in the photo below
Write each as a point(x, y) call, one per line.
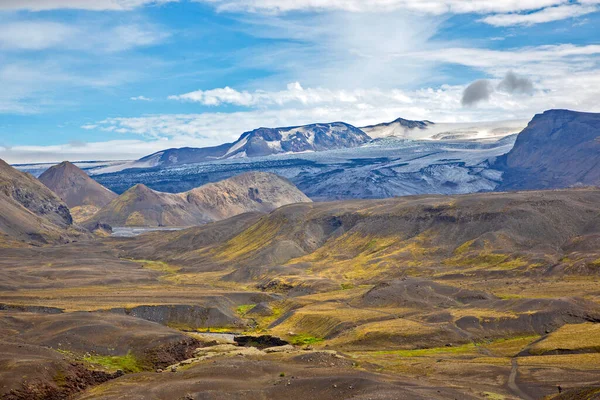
point(362, 241)
point(251, 192)
point(82, 194)
point(29, 211)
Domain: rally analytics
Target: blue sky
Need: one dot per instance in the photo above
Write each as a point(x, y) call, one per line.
point(118, 79)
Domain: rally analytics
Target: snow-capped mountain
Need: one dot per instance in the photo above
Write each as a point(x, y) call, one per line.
point(427, 130)
point(298, 139)
point(257, 143)
point(400, 128)
point(379, 169)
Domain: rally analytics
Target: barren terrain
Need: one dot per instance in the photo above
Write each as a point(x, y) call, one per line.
point(476, 296)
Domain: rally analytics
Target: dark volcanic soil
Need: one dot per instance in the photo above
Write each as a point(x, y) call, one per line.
point(241, 379)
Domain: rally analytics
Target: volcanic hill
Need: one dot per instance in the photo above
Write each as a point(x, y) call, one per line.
point(142, 206)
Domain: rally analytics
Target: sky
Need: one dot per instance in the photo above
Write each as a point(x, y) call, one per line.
point(120, 79)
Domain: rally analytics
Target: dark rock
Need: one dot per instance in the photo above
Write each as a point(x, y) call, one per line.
point(260, 342)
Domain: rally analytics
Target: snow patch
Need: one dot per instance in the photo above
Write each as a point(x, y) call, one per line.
point(236, 146)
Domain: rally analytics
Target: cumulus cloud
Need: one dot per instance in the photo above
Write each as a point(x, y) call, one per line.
point(477, 92)
point(93, 5)
point(577, 90)
point(513, 83)
point(294, 93)
point(545, 15)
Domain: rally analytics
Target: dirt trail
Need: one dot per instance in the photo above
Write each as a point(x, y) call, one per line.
point(512, 382)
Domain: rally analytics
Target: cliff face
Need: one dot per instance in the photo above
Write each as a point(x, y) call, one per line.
point(558, 149)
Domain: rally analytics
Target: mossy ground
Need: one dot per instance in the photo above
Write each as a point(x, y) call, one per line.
point(581, 338)
point(127, 363)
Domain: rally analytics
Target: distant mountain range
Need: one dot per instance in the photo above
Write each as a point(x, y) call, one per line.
point(319, 137)
point(558, 149)
point(258, 143)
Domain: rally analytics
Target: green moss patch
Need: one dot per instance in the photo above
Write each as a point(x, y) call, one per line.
point(303, 340)
point(127, 363)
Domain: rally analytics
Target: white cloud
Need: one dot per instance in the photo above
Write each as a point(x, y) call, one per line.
point(578, 91)
point(341, 50)
point(93, 5)
point(425, 6)
point(35, 35)
point(79, 151)
point(42, 60)
point(140, 98)
point(545, 15)
point(509, 12)
point(294, 93)
point(552, 60)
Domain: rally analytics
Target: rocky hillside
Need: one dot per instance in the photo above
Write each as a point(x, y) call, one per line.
point(359, 241)
point(75, 187)
point(141, 206)
point(558, 149)
point(29, 211)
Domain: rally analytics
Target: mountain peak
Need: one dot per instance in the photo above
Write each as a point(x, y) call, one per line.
point(296, 139)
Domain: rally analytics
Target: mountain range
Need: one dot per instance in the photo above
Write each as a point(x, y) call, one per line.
point(261, 142)
point(420, 157)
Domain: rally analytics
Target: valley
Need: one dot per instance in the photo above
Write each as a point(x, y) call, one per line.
point(416, 297)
